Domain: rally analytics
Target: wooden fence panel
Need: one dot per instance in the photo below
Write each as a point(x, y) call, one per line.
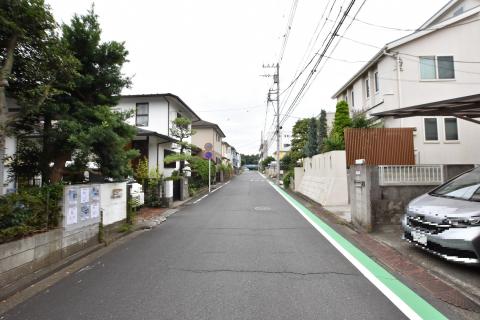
point(380, 146)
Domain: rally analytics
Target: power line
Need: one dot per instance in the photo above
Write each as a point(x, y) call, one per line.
point(310, 46)
point(313, 57)
point(334, 48)
point(410, 57)
point(232, 109)
point(414, 30)
point(293, 9)
point(312, 72)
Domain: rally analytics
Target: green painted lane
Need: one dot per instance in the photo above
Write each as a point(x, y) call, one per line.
point(410, 303)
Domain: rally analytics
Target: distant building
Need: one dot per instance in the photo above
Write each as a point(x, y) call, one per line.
point(208, 132)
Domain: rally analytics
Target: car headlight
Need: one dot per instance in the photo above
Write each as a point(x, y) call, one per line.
point(464, 222)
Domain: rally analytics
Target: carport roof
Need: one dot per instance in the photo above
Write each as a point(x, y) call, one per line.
point(466, 107)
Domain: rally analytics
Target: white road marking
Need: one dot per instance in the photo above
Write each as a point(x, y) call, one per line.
point(200, 199)
point(396, 300)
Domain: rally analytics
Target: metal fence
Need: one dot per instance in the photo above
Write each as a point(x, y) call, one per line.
point(410, 175)
point(380, 146)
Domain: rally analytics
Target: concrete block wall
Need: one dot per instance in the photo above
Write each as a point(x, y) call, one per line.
point(25, 256)
point(324, 178)
point(374, 205)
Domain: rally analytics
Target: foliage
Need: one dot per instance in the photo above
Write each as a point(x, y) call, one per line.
point(311, 147)
point(287, 178)
point(200, 172)
point(342, 119)
point(182, 130)
point(25, 27)
point(322, 130)
point(299, 138)
point(359, 120)
point(66, 87)
point(333, 142)
point(25, 162)
point(131, 212)
point(152, 188)
point(250, 159)
point(267, 161)
point(141, 172)
point(288, 162)
point(30, 210)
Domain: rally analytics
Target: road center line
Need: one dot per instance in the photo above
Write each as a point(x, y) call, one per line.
point(406, 300)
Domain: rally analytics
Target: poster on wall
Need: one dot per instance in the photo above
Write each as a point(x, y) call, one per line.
point(84, 212)
point(72, 215)
point(95, 193)
point(84, 195)
point(95, 210)
point(72, 196)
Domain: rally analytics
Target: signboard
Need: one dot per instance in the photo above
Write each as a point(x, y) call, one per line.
point(208, 155)
point(81, 206)
point(208, 146)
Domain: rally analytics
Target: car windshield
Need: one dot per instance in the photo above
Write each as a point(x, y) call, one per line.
point(465, 187)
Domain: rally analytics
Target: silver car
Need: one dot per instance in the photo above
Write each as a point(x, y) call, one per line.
point(446, 221)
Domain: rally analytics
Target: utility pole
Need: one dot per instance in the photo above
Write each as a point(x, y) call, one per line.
point(276, 94)
point(276, 78)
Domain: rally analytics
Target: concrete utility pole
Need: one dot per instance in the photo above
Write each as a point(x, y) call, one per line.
point(276, 93)
point(276, 79)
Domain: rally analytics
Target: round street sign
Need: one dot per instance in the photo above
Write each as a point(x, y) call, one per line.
point(208, 146)
point(208, 155)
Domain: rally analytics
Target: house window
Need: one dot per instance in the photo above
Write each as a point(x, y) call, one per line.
point(367, 87)
point(431, 129)
point(286, 145)
point(440, 67)
point(179, 115)
point(375, 76)
point(445, 67)
point(141, 114)
point(171, 165)
point(451, 129)
point(353, 98)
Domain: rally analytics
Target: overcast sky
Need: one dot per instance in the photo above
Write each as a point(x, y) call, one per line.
point(210, 53)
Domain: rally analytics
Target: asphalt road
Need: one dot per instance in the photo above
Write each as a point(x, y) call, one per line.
point(241, 253)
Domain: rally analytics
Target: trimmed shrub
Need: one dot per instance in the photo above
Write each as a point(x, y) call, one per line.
point(33, 209)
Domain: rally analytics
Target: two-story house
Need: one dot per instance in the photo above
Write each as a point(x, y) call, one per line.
point(208, 132)
point(153, 115)
point(439, 61)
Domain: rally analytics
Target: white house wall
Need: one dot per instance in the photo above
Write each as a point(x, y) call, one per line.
point(455, 41)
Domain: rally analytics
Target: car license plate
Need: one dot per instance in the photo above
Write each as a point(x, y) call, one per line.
point(419, 237)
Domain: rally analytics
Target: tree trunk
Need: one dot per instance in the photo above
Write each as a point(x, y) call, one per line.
point(56, 174)
point(4, 75)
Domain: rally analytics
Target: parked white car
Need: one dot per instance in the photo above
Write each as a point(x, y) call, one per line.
point(446, 221)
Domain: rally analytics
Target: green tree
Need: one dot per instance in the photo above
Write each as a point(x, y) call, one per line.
point(182, 130)
point(359, 120)
point(311, 147)
point(250, 159)
point(322, 130)
point(342, 119)
point(299, 138)
point(69, 108)
point(267, 161)
point(25, 25)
